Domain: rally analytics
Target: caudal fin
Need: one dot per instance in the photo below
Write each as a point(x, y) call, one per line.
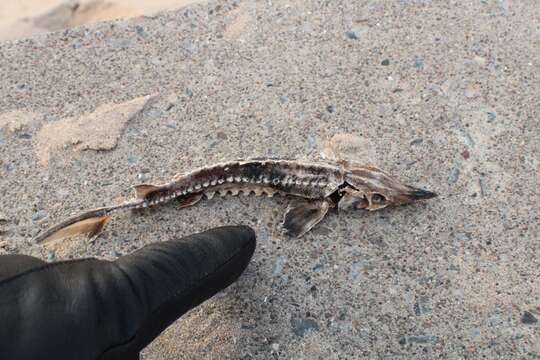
point(89, 223)
point(89, 227)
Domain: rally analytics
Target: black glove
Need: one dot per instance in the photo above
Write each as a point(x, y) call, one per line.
point(95, 309)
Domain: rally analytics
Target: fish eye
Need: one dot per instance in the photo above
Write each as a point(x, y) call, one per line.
point(377, 198)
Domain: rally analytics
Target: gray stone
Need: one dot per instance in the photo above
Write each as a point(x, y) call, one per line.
point(120, 44)
point(356, 33)
point(482, 184)
point(39, 215)
point(133, 159)
point(140, 30)
point(528, 318)
point(302, 326)
point(422, 306)
point(278, 267)
point(454, 175)
point(51, 256)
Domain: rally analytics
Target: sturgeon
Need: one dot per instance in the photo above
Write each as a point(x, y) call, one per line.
point(315, 187)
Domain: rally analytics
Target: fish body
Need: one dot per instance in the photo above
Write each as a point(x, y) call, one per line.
point(285, 177)
point(316, 187)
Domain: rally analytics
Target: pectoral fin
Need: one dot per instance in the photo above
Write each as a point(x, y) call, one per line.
point(301, 216)
point(190, 200)
point(144, 189)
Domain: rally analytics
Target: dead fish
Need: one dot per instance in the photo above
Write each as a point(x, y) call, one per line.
point(315, 187)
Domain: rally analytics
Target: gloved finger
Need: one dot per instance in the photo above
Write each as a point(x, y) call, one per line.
point(11, 265)
point(161, 282)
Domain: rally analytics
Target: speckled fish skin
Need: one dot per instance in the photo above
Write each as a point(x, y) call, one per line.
point(286, 177)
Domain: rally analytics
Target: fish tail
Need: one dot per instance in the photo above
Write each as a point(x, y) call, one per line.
point(89, 223)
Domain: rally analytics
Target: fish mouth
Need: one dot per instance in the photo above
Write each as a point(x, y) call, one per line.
point(420, 194)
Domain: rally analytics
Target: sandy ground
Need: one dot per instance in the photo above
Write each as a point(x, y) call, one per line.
point(23, 18)
point(445, 96)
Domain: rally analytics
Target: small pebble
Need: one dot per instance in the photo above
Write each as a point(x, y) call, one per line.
point(356, 268)
point(120, 43)
point(465, 154)
point(311, 143)
point(318, 267)
point(275, 347)
point(453, 267)
point(385, 62)
point(479, 60)
point(133, 159)
point(491, 117)
point(39, 215)
point(301, 327)
point(355, 33)
point(278, 267)
point(419, 63)
point(154, 61)
point(51, 256)
point(472, 91)
point(528, 318)
point(454, 176)
point(330, 108)
point(467, 137)
point(140, 30)
point(25, 136)
point(153, 113)
point(417, 141)
point(422, 306)
point(411, 163)
point(482, 184)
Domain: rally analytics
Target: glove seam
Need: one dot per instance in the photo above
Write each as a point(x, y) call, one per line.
point(43, 267)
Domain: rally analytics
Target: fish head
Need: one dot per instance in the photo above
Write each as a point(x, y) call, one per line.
point(372, 189)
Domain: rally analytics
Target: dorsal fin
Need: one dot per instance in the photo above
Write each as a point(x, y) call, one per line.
point(144, 189)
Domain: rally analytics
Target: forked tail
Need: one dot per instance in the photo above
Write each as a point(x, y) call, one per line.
point(89, 223)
